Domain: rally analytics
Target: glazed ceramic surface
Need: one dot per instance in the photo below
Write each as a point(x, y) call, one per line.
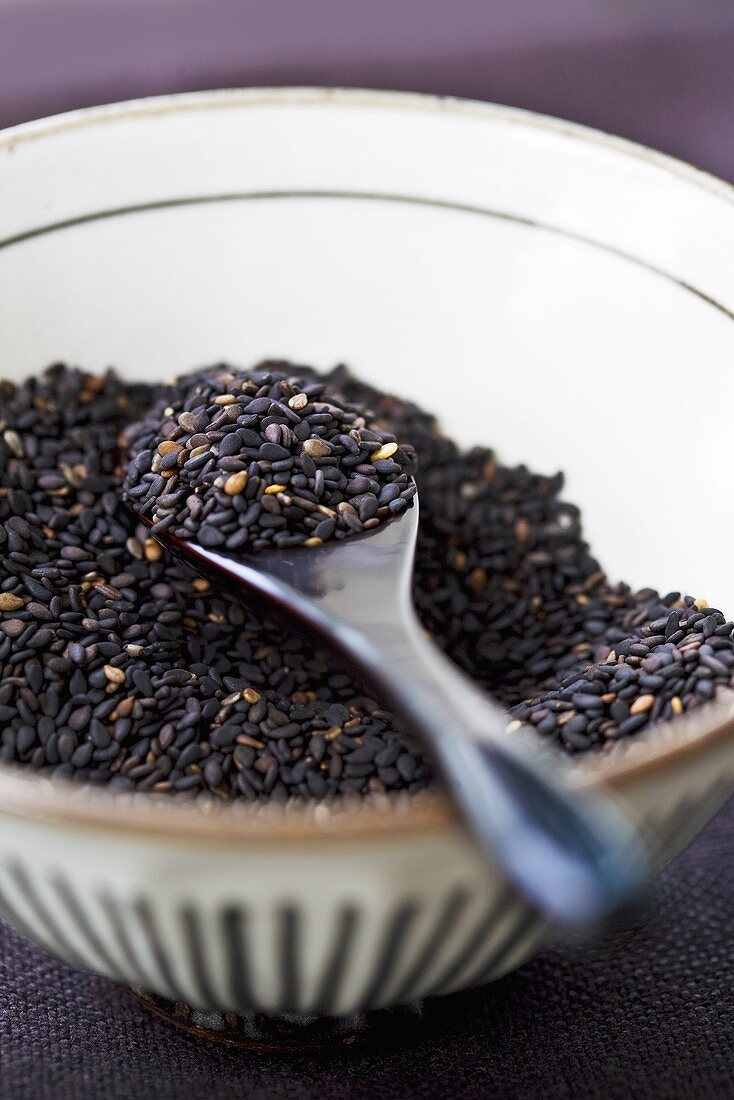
point(576, 291)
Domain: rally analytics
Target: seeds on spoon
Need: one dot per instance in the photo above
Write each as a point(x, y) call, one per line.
point(259, 465)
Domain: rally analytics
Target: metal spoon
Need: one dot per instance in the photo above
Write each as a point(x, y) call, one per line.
point(577, 860)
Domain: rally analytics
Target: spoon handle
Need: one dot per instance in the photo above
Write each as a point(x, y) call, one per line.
point(576, 859)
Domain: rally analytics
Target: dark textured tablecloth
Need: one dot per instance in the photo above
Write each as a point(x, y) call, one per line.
point(647, 1012)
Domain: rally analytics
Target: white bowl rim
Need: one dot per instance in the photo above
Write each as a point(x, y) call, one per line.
point(389, 100)
point(29, 796)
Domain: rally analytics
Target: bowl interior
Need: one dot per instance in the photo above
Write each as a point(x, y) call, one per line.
point(564, 297)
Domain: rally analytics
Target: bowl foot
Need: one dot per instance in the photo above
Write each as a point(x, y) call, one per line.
point(291, 1033)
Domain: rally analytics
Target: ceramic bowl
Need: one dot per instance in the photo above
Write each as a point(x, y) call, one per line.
point(576, 289)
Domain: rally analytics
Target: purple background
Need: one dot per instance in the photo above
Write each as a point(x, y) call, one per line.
point(658, 71)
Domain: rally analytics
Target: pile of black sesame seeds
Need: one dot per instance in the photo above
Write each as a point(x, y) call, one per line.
point(263, 459)
point(120, 666)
